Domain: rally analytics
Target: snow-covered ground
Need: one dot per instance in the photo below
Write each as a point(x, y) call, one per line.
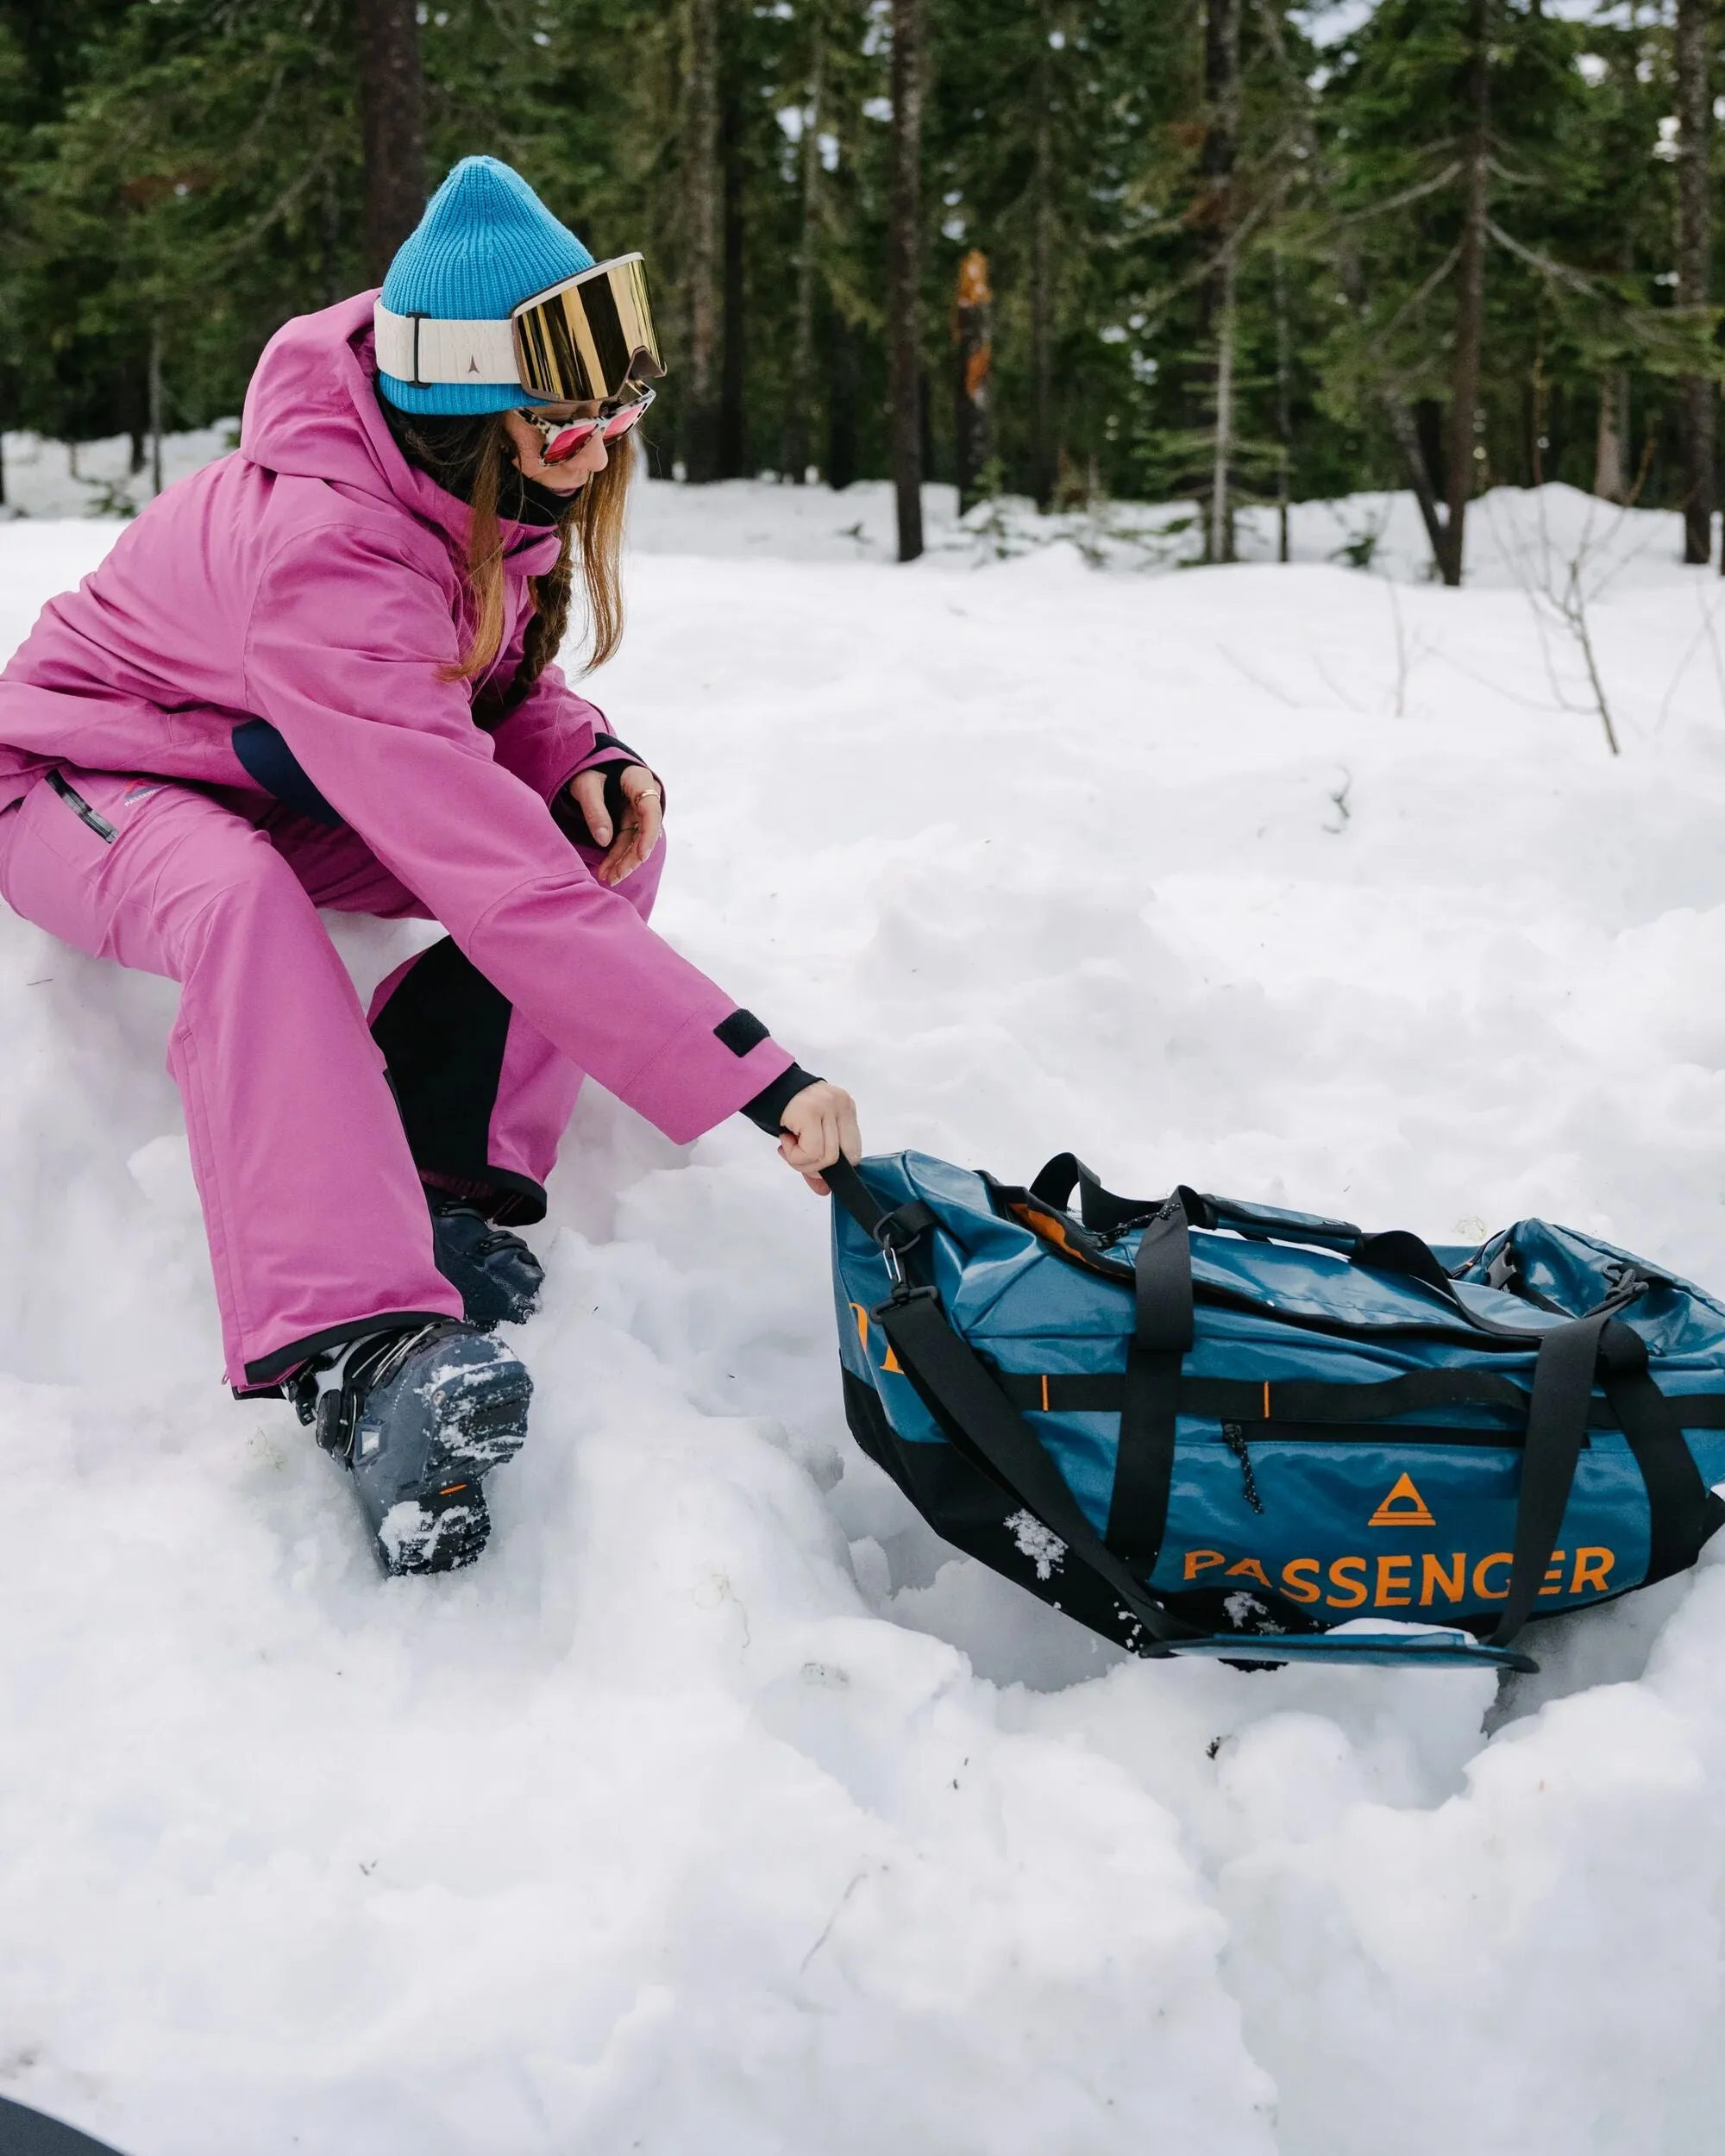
point(722, 1811)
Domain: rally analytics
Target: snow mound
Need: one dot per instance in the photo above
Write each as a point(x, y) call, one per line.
point(721, 1808)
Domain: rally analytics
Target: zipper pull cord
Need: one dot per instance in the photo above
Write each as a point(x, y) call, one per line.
point(1233, 1436)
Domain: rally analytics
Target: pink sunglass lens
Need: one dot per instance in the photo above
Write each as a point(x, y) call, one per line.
point(562, 445)
point(620, 422)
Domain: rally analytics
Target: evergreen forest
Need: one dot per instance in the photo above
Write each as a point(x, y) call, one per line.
point(1229, 251)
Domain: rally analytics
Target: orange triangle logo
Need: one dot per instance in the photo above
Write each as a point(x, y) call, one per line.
point(1403, 1507)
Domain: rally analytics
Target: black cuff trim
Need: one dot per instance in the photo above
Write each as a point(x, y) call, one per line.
point(565, 810)
point(770, 1103)
point(268, 1370)
point(610, 741)
point(507, 1200)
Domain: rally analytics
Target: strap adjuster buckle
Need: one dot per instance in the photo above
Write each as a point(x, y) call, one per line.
point(898, 1231)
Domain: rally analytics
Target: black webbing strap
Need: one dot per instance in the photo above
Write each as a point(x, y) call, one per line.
point(946, 1371)
point(1162, 1334)
point(1300, 1403)
point(1294, 1399)
point(1679, 1518)
point(1557, 1423)
point(855, 1195)
point(958, 1387)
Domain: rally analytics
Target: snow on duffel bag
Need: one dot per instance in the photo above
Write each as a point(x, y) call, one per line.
point(1205, 1427)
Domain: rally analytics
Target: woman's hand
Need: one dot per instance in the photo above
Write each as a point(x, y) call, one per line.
point(820, 1124)
point(642, 822)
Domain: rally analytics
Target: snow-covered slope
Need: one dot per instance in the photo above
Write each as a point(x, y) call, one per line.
point(721, 1809)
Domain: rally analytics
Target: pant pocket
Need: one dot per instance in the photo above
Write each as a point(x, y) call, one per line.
point(81, 808)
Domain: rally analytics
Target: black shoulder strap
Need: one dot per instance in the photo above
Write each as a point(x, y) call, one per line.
point(946, 1371)
point(960, 1390)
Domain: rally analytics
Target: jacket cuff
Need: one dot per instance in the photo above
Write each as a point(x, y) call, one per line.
point(770, 1103)
point(703, 1073)
point(614, 758)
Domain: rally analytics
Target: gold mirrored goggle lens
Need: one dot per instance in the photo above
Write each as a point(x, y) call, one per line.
point(586, 338)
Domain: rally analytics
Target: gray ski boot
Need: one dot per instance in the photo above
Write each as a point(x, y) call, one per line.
point(420, 1414)
point(497, 1276)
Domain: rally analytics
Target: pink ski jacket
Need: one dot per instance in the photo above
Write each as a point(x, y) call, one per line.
point(313, 579)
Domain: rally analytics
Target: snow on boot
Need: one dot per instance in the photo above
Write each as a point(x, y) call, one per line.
point(421, 1414)
point(496, 1273)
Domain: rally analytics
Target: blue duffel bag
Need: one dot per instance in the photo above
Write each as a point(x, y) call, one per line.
point(1212, 1428)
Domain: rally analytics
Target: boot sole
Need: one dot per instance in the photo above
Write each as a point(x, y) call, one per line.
point(481, 1418)
point(438, 1533)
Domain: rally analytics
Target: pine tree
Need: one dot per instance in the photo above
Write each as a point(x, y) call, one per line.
point(905, 274)
point(392, 128)
point(1696, 392)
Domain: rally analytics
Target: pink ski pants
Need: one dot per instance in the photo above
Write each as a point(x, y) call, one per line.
point(309, 1129)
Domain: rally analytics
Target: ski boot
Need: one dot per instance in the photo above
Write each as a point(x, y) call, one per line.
point(497, 1276)
point(420, 1414)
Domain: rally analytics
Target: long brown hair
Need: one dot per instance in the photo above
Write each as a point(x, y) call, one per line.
point(475, 459)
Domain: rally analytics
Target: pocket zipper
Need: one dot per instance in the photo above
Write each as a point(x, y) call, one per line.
point(81, 809)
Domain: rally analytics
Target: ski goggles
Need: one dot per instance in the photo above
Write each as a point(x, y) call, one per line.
point(562, 438)
point(580, 342)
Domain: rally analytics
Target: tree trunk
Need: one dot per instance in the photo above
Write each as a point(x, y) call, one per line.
point(1695, 391)
point(1044, 457)
point(392, 128)
point(796, 452)
point(1284, 425)
point(841, 407)
point(973, 336)
point(1221, 132)
point(1220, 547)
point(1406, 429)
point(700, 240)
point(135, 403)
point(155, 394)
point(1611, 443)
point(733, 443)
point(905, 282)
point(1469, 299)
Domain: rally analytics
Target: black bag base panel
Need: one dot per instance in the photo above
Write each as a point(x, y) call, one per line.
point(982, 1520)
point(27, 2133)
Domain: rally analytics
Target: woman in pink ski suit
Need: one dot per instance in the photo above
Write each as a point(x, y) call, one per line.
point(253, 709)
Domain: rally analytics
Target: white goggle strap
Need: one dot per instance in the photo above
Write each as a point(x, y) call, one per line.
point(423, 350)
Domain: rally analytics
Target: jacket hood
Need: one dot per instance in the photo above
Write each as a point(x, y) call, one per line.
point(311, 412)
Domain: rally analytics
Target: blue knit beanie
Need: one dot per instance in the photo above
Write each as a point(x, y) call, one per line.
point(486, 243)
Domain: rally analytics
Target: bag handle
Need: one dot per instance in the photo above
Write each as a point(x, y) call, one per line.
point(1679, 1517)
point(1101, 1210)
point(1394, 1250)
